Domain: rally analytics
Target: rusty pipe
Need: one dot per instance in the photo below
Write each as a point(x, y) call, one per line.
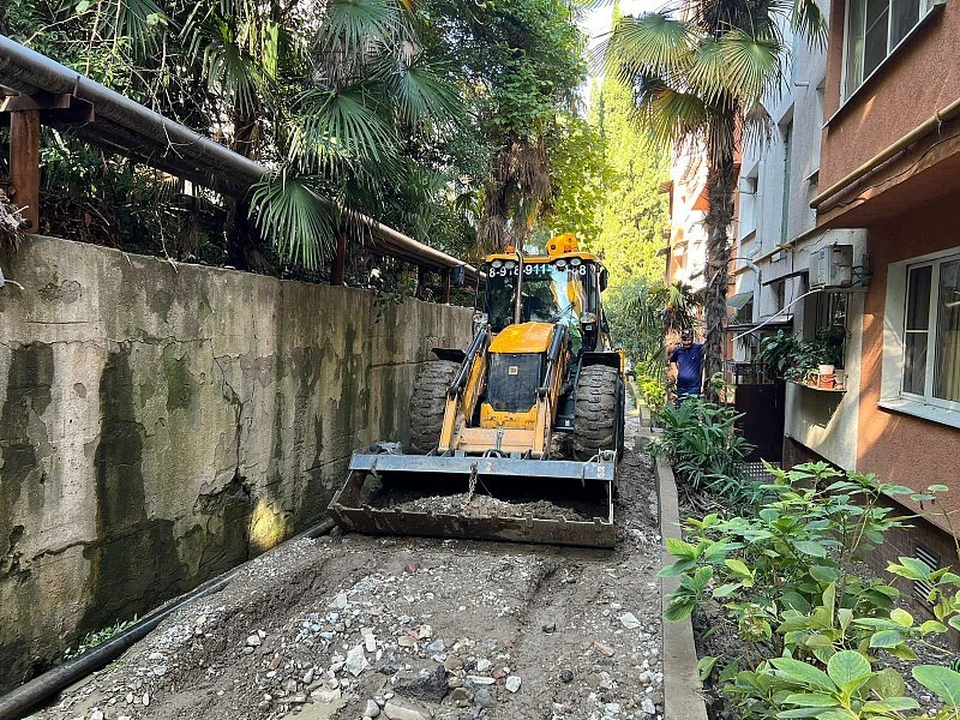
point(873, 163)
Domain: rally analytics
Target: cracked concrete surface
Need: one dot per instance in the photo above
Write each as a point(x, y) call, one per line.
point(160, 424)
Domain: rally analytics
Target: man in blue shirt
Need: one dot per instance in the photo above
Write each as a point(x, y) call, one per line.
point(686, 363)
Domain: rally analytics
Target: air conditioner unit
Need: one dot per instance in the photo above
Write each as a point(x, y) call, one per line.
point(831, 267)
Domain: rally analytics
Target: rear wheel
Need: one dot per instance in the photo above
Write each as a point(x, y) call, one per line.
point(598, 416)
point(428, 403)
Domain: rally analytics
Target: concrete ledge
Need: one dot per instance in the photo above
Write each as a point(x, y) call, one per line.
point(682, 691)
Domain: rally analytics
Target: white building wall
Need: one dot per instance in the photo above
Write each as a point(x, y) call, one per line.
point(779, 178)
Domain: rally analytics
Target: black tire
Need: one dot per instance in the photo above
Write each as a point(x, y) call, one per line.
point(598, 421)
point(428, 402)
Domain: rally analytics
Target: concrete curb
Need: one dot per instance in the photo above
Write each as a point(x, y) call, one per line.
point(682, 691)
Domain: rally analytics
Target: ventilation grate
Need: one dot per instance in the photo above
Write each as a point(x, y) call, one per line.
point(921, 588)
point(756, 472)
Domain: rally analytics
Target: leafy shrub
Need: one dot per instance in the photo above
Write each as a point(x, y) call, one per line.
point(813, 630)
point(700, 441)
point(653, 392)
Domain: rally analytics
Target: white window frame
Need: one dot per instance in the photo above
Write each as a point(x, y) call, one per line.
point(926, 7)
point(892, 396)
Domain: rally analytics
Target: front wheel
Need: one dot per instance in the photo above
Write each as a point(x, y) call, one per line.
point(598, 415)
point(429, 402)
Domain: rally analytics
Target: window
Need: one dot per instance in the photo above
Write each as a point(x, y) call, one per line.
point(931, 361)
point(874, 28)
point(920, 373)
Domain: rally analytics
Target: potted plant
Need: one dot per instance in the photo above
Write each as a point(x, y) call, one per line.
point(797, 360)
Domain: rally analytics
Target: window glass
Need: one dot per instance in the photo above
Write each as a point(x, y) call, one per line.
point(915, 337)
point(918, 298)
point(946, 374)
point(873, 29)
point(875, 45)
point(906, 13)
point(855, 25)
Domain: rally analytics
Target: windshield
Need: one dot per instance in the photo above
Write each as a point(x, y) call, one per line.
point(550, 292)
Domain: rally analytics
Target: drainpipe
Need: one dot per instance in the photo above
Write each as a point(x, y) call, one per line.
point(16, 703)
point(820, 203)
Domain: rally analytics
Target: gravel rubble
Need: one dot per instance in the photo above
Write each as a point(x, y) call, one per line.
point(349, 626)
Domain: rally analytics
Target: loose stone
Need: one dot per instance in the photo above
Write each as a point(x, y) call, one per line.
point(371, 710)
point(513, 683)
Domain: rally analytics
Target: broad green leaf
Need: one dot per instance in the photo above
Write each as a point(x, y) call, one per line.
point(816, 640)
point(738, 567)
point(800, 713)
point(897, 490)
point(938, 488)
point(887, 683)
point(808, 547)
point(680, 549)
point(891, 704)
point(678, 568)
point(932, 626)
point(848, 666)
point(823, 573)
point(801, 672)
point(886, 639)
point(845, 616)
point(726, 590)
point(705, 666)
point(837, 714)
point(903, 651)
point(902, 617)
point(944, 682)
point(813, 700)
point(914, 570)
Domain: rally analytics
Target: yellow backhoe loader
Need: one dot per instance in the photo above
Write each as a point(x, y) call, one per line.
point(532, 410)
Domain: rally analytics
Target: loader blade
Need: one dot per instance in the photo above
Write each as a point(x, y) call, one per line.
point(479, 498)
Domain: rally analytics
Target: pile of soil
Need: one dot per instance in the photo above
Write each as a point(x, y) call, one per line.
point(481, 505)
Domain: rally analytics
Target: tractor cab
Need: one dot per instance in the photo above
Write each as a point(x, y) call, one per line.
point(560, 288)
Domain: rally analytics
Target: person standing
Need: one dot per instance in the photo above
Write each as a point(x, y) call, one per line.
point(686, 365)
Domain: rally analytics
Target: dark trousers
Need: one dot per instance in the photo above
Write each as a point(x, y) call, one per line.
point(685, 392)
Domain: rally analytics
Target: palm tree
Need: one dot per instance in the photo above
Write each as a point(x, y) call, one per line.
point(372, 87)
point(700, 73)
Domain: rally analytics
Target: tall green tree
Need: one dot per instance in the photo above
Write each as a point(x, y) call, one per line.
point(634, 211)
point(701, 74)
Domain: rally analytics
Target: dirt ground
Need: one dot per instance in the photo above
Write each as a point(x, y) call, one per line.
point(350, 626)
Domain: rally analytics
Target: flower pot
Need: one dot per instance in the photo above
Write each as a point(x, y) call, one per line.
point(825, 369)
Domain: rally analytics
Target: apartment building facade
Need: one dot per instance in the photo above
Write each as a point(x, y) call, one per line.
point(867, 157)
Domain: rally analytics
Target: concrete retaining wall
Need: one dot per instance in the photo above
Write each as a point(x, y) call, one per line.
point(161, 423)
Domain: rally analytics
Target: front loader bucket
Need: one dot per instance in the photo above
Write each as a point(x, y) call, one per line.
point(480, 498)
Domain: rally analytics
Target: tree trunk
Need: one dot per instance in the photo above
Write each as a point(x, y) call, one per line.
point(721, 182)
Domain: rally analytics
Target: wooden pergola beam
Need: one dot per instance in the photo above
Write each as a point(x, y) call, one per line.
point(25, 165)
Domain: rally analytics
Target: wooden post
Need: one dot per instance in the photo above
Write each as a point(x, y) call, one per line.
point(338, 272)
point(447, 282)
point(421, 282)
point(25, 164)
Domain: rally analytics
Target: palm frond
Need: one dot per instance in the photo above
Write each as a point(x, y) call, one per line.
point(293, 216)
point(807, 18)
point(422, 96)
point(752, 68)
point(671, 114)
point(351, 26)
point(340, 125)
point(652, 43)
point(707, 71)
point(756, 125)
point(231, 72)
